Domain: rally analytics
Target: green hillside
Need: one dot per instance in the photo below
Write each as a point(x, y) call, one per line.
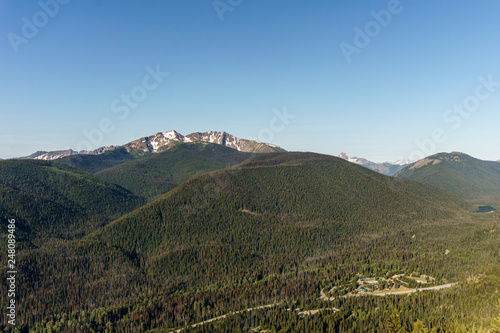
point(458, 173)
point(53, 199)
point(272, 210)
point(152, 176)
point(95, 163)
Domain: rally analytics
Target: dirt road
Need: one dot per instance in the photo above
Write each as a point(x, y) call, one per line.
point(413, 290)
point(322, 297)
point(226, 315)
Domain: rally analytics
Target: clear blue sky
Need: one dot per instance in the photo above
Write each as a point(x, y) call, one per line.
point(229, 75)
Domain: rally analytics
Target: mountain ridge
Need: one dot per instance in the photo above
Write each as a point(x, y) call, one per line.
point(157, 174)
point(162, 141)
point(458, 173)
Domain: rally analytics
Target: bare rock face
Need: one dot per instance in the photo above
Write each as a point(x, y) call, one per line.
point(162, 141)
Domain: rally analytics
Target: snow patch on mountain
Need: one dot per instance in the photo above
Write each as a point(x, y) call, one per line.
point(386, 168)
point(164, 140)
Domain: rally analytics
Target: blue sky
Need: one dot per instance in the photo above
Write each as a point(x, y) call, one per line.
point(232, 74)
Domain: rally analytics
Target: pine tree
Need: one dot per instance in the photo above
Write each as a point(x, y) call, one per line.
point(394, 323)
point(496, 323)
point(419, 327)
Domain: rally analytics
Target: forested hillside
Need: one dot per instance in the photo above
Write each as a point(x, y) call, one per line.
point(457, 173)
point(278, 230)
point(95, 163)
point(152, 176)
point(55, 200)
point(290, 194)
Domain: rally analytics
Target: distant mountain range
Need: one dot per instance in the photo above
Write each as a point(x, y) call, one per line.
point(162, 141)
point(386, 168)
point(56, 154)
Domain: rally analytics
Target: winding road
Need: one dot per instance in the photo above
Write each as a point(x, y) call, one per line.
point(226, 315)
point(443, 286)
point(322, 297)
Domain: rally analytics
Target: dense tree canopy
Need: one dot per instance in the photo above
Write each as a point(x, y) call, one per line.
point(277, 231)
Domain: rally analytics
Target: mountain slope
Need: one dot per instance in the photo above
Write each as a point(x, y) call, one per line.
point(95, 163)
point(52, 199)
point(163, 141)
point(152, 176)
point(458, 173)
point(269, 212)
